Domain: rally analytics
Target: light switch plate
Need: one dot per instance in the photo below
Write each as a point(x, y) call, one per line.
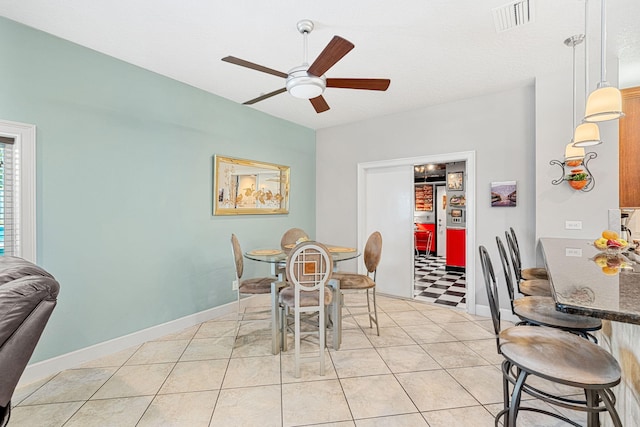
point(573, 225)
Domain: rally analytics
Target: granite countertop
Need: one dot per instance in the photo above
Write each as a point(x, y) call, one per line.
point(583, 283)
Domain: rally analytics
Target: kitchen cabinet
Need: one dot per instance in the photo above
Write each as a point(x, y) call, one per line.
point(456, 248)
point(629, 149)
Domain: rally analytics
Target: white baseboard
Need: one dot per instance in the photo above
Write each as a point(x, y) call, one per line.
point(505, 314)
point(45, 368)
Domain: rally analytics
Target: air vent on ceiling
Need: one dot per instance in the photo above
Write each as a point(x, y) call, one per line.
point(514, 14)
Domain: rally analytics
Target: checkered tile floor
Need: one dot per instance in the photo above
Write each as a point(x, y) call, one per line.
point(433, 284)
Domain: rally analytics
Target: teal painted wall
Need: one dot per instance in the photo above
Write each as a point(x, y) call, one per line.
point(124, 186)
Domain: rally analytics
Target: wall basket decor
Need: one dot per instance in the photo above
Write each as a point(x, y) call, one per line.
point(576, 172)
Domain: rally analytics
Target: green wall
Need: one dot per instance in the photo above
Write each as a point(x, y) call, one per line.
point(124, 186)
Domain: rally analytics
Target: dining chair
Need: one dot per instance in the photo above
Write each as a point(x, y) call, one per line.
point(365, 282)
point(541, 310)
point(554, 356)
point(256, 286)
point(291, 236)
point(308, 270)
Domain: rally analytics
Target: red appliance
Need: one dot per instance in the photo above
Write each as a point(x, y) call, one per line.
point(456, 242)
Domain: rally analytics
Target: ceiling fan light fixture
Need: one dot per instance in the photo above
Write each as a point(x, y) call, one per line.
point(604, 103)
point(303, 85)
point(586, 135)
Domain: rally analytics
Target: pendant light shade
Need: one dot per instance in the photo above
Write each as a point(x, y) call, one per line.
point(604, 103)
point(586, 135)
point(573, 153)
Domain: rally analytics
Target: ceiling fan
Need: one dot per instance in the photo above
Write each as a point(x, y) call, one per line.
point(308, 81)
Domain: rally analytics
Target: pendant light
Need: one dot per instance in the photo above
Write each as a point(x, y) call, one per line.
point(586, 134)
point(573, 155)
point(604, 103)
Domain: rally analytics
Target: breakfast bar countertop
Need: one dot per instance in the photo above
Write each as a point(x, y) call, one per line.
point(582, 282)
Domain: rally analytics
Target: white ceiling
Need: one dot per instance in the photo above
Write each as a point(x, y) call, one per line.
point(434, 51)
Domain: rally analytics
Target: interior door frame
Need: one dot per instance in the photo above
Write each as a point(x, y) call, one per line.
point(469, 157)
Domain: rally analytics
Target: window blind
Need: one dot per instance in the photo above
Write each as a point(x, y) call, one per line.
point(9, 185)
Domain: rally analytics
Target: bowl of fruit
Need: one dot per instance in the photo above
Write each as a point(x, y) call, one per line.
point(610, 242)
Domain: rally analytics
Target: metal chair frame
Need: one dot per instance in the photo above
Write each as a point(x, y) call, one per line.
point(583, 332)
point(598, 398)
point(308, 269)
point(275, 287)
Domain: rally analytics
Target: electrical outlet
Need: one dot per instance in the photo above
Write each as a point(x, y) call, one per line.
point(234, 285)
point(573, 225)
point(577, 252)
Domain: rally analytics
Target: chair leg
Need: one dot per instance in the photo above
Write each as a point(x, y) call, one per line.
point(239, 316)
point(276, 336)
point(283, 328)
point(336, 307)
point(322, 330)
point(369, 309)
point(297, 341)
point(609, 404)
point(375, 310)
point(515, 398)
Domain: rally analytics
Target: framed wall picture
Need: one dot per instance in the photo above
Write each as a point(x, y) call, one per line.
point(249, 187)
point(504, 193)
point(455, 181)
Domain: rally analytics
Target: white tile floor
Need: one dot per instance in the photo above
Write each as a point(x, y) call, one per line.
point(430, 366)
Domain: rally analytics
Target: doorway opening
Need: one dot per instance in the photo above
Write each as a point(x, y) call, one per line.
point(439, 234)
point(386, 203)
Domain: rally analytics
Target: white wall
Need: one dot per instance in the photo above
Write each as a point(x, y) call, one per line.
point(499, 127)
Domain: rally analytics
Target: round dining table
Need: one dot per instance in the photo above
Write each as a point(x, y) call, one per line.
point(277, 258)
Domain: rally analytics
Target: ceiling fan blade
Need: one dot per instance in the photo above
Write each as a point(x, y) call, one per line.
point(319, 104)
point(265, 96)
point(247, 64)
point(332, 53)
point(368, 84)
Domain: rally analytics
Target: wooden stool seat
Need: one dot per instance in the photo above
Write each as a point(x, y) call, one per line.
point(535, 287)
point(560, 357)
point(542, 311)
point(534, 273)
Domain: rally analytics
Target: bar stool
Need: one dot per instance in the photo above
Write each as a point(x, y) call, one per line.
point(552, 355)
point(527, 273)
point(531, 286)
point(541, 311)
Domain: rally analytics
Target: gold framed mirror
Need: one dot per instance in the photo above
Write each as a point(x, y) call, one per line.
point(249, 187)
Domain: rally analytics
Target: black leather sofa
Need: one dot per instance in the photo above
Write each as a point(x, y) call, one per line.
point(27, 297)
